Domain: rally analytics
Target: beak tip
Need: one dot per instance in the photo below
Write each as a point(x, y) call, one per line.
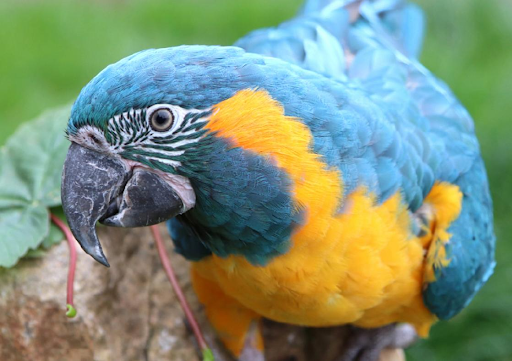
point(103, 261)
point(95, 251)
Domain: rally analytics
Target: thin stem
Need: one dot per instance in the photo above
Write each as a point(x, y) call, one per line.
point(166, 263)
point(72, 263)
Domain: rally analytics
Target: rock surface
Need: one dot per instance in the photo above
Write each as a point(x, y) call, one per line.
point(127, 312)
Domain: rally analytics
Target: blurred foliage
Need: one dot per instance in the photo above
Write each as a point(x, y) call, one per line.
point(51, 48)
point(30, 185)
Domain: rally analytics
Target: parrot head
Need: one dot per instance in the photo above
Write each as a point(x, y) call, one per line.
point(143, 150)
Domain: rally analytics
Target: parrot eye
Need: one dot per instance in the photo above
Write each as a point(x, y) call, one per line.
point(161, 119)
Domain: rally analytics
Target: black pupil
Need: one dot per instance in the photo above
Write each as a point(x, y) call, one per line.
point(161, 118)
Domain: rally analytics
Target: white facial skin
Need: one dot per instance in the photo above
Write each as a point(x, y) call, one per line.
point(142, 138)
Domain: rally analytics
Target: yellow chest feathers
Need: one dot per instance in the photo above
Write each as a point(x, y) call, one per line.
point(362, 266)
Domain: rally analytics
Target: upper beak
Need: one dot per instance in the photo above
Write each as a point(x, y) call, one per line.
point(99, 187)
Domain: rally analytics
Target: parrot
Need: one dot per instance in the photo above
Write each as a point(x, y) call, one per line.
point(314, 174)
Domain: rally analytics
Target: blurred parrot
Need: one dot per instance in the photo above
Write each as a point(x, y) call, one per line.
point(314, 173)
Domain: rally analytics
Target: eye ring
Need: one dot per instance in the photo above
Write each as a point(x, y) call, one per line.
point(161, 119)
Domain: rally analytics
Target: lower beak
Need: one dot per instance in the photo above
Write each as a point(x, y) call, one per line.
point(98, 187)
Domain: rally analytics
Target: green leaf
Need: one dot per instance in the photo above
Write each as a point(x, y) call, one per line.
point(30, 175)
point(54, 236)
point(37, 152)
point(21, 229)
point(34, 253)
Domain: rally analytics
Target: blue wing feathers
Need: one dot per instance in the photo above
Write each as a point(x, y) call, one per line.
point(470, 249)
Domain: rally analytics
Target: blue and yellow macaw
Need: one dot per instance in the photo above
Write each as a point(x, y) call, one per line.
point(315, 173)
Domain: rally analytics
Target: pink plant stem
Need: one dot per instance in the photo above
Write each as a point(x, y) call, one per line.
point(72, 256)
point(166, 263)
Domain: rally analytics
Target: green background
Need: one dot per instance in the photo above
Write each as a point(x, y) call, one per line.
point(50, 49)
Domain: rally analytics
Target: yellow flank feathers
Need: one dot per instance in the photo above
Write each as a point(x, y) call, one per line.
point(230, 319)
point(445, 201)
point(362, 267)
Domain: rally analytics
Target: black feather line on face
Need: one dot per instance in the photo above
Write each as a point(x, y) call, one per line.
point(141, 144)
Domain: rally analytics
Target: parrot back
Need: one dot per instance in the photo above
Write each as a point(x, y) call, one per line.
point(373, 45)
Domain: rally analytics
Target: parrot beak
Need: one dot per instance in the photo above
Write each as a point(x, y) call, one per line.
point(98, 187)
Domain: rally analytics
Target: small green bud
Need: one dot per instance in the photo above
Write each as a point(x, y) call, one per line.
point(208, 355)
point(71, 312)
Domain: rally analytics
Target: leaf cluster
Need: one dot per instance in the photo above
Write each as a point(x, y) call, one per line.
point(30, 177)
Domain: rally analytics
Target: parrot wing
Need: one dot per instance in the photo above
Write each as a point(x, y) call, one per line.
point(373, 46)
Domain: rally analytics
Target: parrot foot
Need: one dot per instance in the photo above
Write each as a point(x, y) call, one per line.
point(368, 344)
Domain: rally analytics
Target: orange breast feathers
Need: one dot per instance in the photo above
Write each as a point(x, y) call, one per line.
point(362, 266)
